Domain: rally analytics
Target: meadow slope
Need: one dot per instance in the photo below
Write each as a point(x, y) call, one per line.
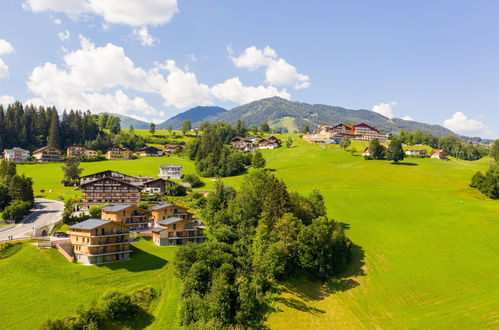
point(427, 245)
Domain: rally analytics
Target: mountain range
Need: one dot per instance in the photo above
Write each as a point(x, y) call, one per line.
point(292, 116)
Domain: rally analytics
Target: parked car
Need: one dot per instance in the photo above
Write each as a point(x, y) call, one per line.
point(60, 234)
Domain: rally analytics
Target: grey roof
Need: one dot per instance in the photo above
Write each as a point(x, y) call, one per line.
point(160, 206)
point(169, 221)
point(89, 224)
point(116, 208)
point(158, 230)
point(169, 166)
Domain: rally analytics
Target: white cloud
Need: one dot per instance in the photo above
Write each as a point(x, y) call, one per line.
point(143, 35)
point(64, 36)
point(57, 21)
point(99, 78)
point(5, 48)
point(129, 12)
point(407, 118)
point(5, 100)
point(461, 124)
point(192, 57)
point(385, 109)
point(278, 72)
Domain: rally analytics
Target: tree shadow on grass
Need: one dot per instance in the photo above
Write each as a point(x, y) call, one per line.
point(140, 261)
point(405, 164)
point(299, 305)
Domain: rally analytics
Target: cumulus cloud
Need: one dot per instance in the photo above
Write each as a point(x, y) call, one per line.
point(5, 100)
point(5, 48)
point(278, 72)
point(143, 35)
point(64, 36)
point(385, 109)
point(129, 12)
point(461, 124)
point(98, 78)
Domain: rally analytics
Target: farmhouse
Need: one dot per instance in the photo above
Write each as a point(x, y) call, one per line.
point(108, 190)
point(270, 143)
point(16, 155)
point(130, 215)
point(47, 154)
point(157, 186)
point(151, 152)
point(165, 211)
point(439, 154)
point(170, 171)
point(96, 241)
point(415, 152)
point(78, 150)
point(242, 144)
point(177, 231)
point(117, 152)
point(173, 148)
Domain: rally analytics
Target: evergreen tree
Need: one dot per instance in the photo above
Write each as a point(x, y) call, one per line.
point(257, 160)
point(54, 138)
point(72, 170)
point(152, 128)
point(395, 151)
point(114, 125)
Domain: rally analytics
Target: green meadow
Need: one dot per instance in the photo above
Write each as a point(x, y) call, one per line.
point(426, 247)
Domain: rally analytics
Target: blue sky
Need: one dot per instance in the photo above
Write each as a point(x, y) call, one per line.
point(432, 61)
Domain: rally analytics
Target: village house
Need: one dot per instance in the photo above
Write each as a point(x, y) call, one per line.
point(439, 154)
point(167, 210)
point(96, 241)
point(242, 144)
point(136, 180)
point(130, 215)
point(47, 154)
point(16, 155)
point(157, 186)
point(119, 153)
point(270, 143)
point(78, 150)
point(151, 152)
point(176, 231)
point(416, 152)
point(108, 190)
point(173, 148)
point(170, 171)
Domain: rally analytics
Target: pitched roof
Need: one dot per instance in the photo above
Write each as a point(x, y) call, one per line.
point(158, 230)
point(46, 147)
point(116, 208)
point(89, 224)
point(150, 148)
point(169, 221)
point(160, 206)
point(107, 178)
point(169, 165)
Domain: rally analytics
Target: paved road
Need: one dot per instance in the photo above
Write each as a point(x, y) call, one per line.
point(47, 211)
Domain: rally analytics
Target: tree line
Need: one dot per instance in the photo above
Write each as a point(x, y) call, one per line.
point(258, 236)
point(488, 183)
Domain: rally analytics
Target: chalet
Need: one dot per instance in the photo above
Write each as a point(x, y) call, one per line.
point(242, 144)
point(135, 180)
point(157, 186)
point(170, 171)
point(78, 150)
point(177, 231)
point(173, 148)
point(119, 153)
point(151, 152)
point(366, 132)
point(108, 190)
point(96, 241)
point(165, 211)
point(16, 155)
point(130, 215)
point(47, 154)
point(416, 152)
point(254, 139)
point(439, 154)
point(270, 143)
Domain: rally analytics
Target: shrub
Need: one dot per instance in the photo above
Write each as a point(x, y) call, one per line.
point(194, 180)
point(9, 248)
point(119, 307)
point(16, 210)
point(144, 297)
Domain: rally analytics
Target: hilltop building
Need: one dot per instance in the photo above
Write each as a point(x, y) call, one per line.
point(16, 155)
point(96, 241)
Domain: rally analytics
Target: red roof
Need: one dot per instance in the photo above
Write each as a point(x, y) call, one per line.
point(364, 125)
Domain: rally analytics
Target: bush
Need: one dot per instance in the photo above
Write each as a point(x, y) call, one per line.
point(119, 307)
point(175, 190)
point(144, 297)
point(16, 210)
point(194, 180)
point(9, 248)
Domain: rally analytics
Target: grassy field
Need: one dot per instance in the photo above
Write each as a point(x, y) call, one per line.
point(38, 284)
point(427, 246)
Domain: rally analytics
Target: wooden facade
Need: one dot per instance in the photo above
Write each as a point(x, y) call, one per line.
point(151, 152)
point(119, 153)
point(96, 241)
point(130, 215)
point(80, 151)
point(108, 190)
point(157, 186)
point(47, 154)
point(178, 231)
point(165, 211)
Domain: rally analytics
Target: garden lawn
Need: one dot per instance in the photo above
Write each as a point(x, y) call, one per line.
point(39, 284)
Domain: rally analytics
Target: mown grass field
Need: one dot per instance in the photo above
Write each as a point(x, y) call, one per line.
point(38, 284)
point(427, 245)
